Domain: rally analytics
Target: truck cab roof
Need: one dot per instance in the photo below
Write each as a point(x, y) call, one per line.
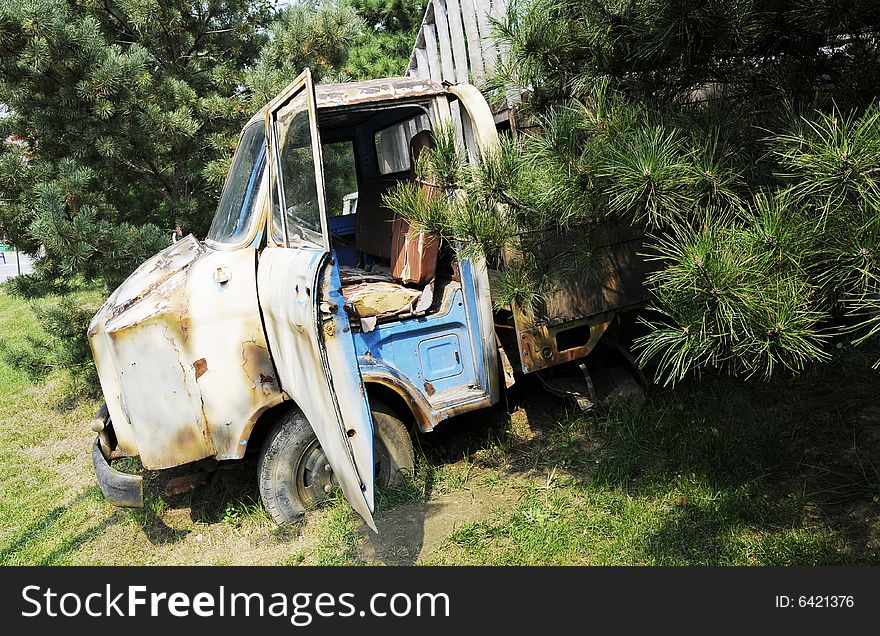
point(373, 92)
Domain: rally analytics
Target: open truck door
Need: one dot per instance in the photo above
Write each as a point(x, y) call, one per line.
point(299, 291)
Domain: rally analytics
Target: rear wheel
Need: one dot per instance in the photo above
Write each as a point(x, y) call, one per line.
point(295, 476)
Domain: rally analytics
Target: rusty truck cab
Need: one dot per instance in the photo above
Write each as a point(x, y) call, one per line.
point(307, 290)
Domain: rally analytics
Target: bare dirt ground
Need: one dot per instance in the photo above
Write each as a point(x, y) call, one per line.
point(412, 532)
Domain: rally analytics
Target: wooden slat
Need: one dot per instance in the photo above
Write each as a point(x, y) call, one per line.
point(472, 32)
point(455, 109)
point(456, 32)
point(455, 44)
point(430, 32)
point(403, 143)
point(469, 138)
point(411, 69)
point(414, 70)
point(499, 12)
point(447, 65)
point(498, 8)
point(422, 62)
point(490, 51)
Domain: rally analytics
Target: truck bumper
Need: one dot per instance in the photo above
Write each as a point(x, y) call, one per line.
point(120, 489)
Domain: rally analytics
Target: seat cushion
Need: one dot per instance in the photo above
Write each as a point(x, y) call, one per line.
point(380, 298)
point(413, 254)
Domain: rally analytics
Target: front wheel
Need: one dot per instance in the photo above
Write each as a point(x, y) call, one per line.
point(294, 473)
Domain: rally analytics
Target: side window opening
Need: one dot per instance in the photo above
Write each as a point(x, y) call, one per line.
point(341, 185)
point(389, 271)
point(340, 177)
point(236, 209)
point(393, 144)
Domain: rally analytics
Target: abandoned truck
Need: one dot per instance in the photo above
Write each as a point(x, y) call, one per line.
point(312, 325)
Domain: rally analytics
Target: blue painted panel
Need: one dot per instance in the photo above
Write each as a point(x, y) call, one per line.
point(475, 333)
point(398, 344)
point(344, 225)
point(346, 348)
point(440, 357)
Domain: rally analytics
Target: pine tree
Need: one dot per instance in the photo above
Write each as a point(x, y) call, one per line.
point(127, 113)
point(388, 38)
point(340, 40)
point(128, 110)
point(319, 35)
point(741, 136)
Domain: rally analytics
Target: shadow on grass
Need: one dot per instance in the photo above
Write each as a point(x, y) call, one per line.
point(229, 496)
point(788, 467)
point(25, 537)
point(59, 555)
point(53, 521)
point(712, 535)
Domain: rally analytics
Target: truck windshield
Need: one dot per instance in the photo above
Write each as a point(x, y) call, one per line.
point(235, 213)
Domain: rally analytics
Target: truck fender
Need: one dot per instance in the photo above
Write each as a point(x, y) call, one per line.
point(375, 372)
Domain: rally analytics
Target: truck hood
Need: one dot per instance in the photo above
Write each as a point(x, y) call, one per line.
point(154, 290)
point(182, 359)
point(156, 279)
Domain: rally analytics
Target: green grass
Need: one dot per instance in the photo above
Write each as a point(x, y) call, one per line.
point(336, 535)
point(715, 472)
point(592, 527)
point(44, 520)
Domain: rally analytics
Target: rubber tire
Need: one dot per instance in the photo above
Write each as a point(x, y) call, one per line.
point(293, 435)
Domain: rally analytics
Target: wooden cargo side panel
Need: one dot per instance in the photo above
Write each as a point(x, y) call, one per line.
point(581, 303)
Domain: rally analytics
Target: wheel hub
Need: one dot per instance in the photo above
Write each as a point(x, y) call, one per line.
point(314, 475)
point(315, 479)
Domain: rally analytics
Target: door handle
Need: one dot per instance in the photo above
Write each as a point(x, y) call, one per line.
point(221, 275)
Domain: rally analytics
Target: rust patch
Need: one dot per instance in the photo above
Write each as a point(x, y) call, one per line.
point(186, 438)
point(200, 365)
point(421, 411)
point(429, 388)
point(460, 406)
point(186, 483)
point(258, 367)
point(117, 310)
point(541, 341)
point(186, 445)
point(157, 279)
